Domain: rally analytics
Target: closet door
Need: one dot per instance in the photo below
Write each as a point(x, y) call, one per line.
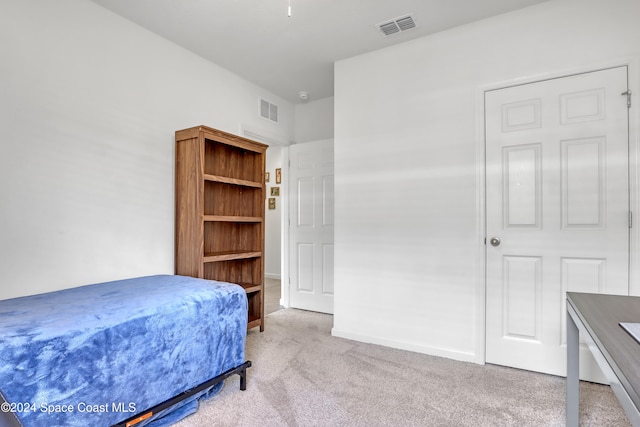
point(557, 211)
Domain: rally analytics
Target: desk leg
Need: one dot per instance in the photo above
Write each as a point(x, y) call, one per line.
point(573, 373)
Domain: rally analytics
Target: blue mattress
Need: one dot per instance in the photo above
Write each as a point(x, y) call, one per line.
point(98, 354)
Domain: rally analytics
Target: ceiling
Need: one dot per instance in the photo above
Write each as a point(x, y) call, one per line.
point(257, 40)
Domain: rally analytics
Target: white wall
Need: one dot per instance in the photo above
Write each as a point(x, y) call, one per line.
point(408, 258)
point(274, 217)
point(313, 121)
point(89, 104)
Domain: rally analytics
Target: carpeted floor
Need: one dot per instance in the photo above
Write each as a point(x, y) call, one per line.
point(272, 294)
point(302, 376)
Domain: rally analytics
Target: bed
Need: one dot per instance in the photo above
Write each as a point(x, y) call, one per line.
point(138, 352)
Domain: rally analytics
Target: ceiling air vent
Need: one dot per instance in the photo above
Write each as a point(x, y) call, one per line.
point(399, 24)
point(268, 111)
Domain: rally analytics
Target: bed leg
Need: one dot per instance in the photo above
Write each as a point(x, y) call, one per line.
point(243, 380)
point(243, 375)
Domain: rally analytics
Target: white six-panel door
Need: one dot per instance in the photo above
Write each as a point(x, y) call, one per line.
point(311, 226)
point(557, 216)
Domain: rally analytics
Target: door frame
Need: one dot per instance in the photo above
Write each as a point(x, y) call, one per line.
point(633, 81)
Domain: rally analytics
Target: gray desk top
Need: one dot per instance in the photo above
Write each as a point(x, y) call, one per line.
point(601, 315)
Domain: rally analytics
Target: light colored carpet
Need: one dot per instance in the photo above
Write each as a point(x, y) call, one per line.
point(271, 295)
point(302, 376)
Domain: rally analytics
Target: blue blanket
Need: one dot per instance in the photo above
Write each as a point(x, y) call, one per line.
point(98, 354)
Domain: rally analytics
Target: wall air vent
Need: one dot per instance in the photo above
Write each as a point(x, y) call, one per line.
point(397, 25)
point(268, 111)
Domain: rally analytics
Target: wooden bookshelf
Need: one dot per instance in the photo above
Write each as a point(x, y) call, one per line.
point(220, 195)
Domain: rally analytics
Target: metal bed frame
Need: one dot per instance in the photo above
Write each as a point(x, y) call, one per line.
point(148, 413)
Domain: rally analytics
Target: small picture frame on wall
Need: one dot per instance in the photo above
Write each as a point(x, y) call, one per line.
point(266, 176)
point(272, 202)
point(275, 191)
point(278, 176)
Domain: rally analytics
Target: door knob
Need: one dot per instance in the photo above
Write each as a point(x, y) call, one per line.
point(494, 241)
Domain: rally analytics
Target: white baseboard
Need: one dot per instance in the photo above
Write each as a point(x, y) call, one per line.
point(272, 276)
point(417, 348)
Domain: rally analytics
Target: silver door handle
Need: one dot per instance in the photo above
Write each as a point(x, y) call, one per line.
point(494, 241)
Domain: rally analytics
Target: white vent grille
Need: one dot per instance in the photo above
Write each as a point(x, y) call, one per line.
point(397, 25)
point(268, 111)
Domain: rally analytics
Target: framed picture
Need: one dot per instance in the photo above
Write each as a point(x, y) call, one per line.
point(278, 176)
point(266, 177)
point(272, 202)
point(275, 191)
